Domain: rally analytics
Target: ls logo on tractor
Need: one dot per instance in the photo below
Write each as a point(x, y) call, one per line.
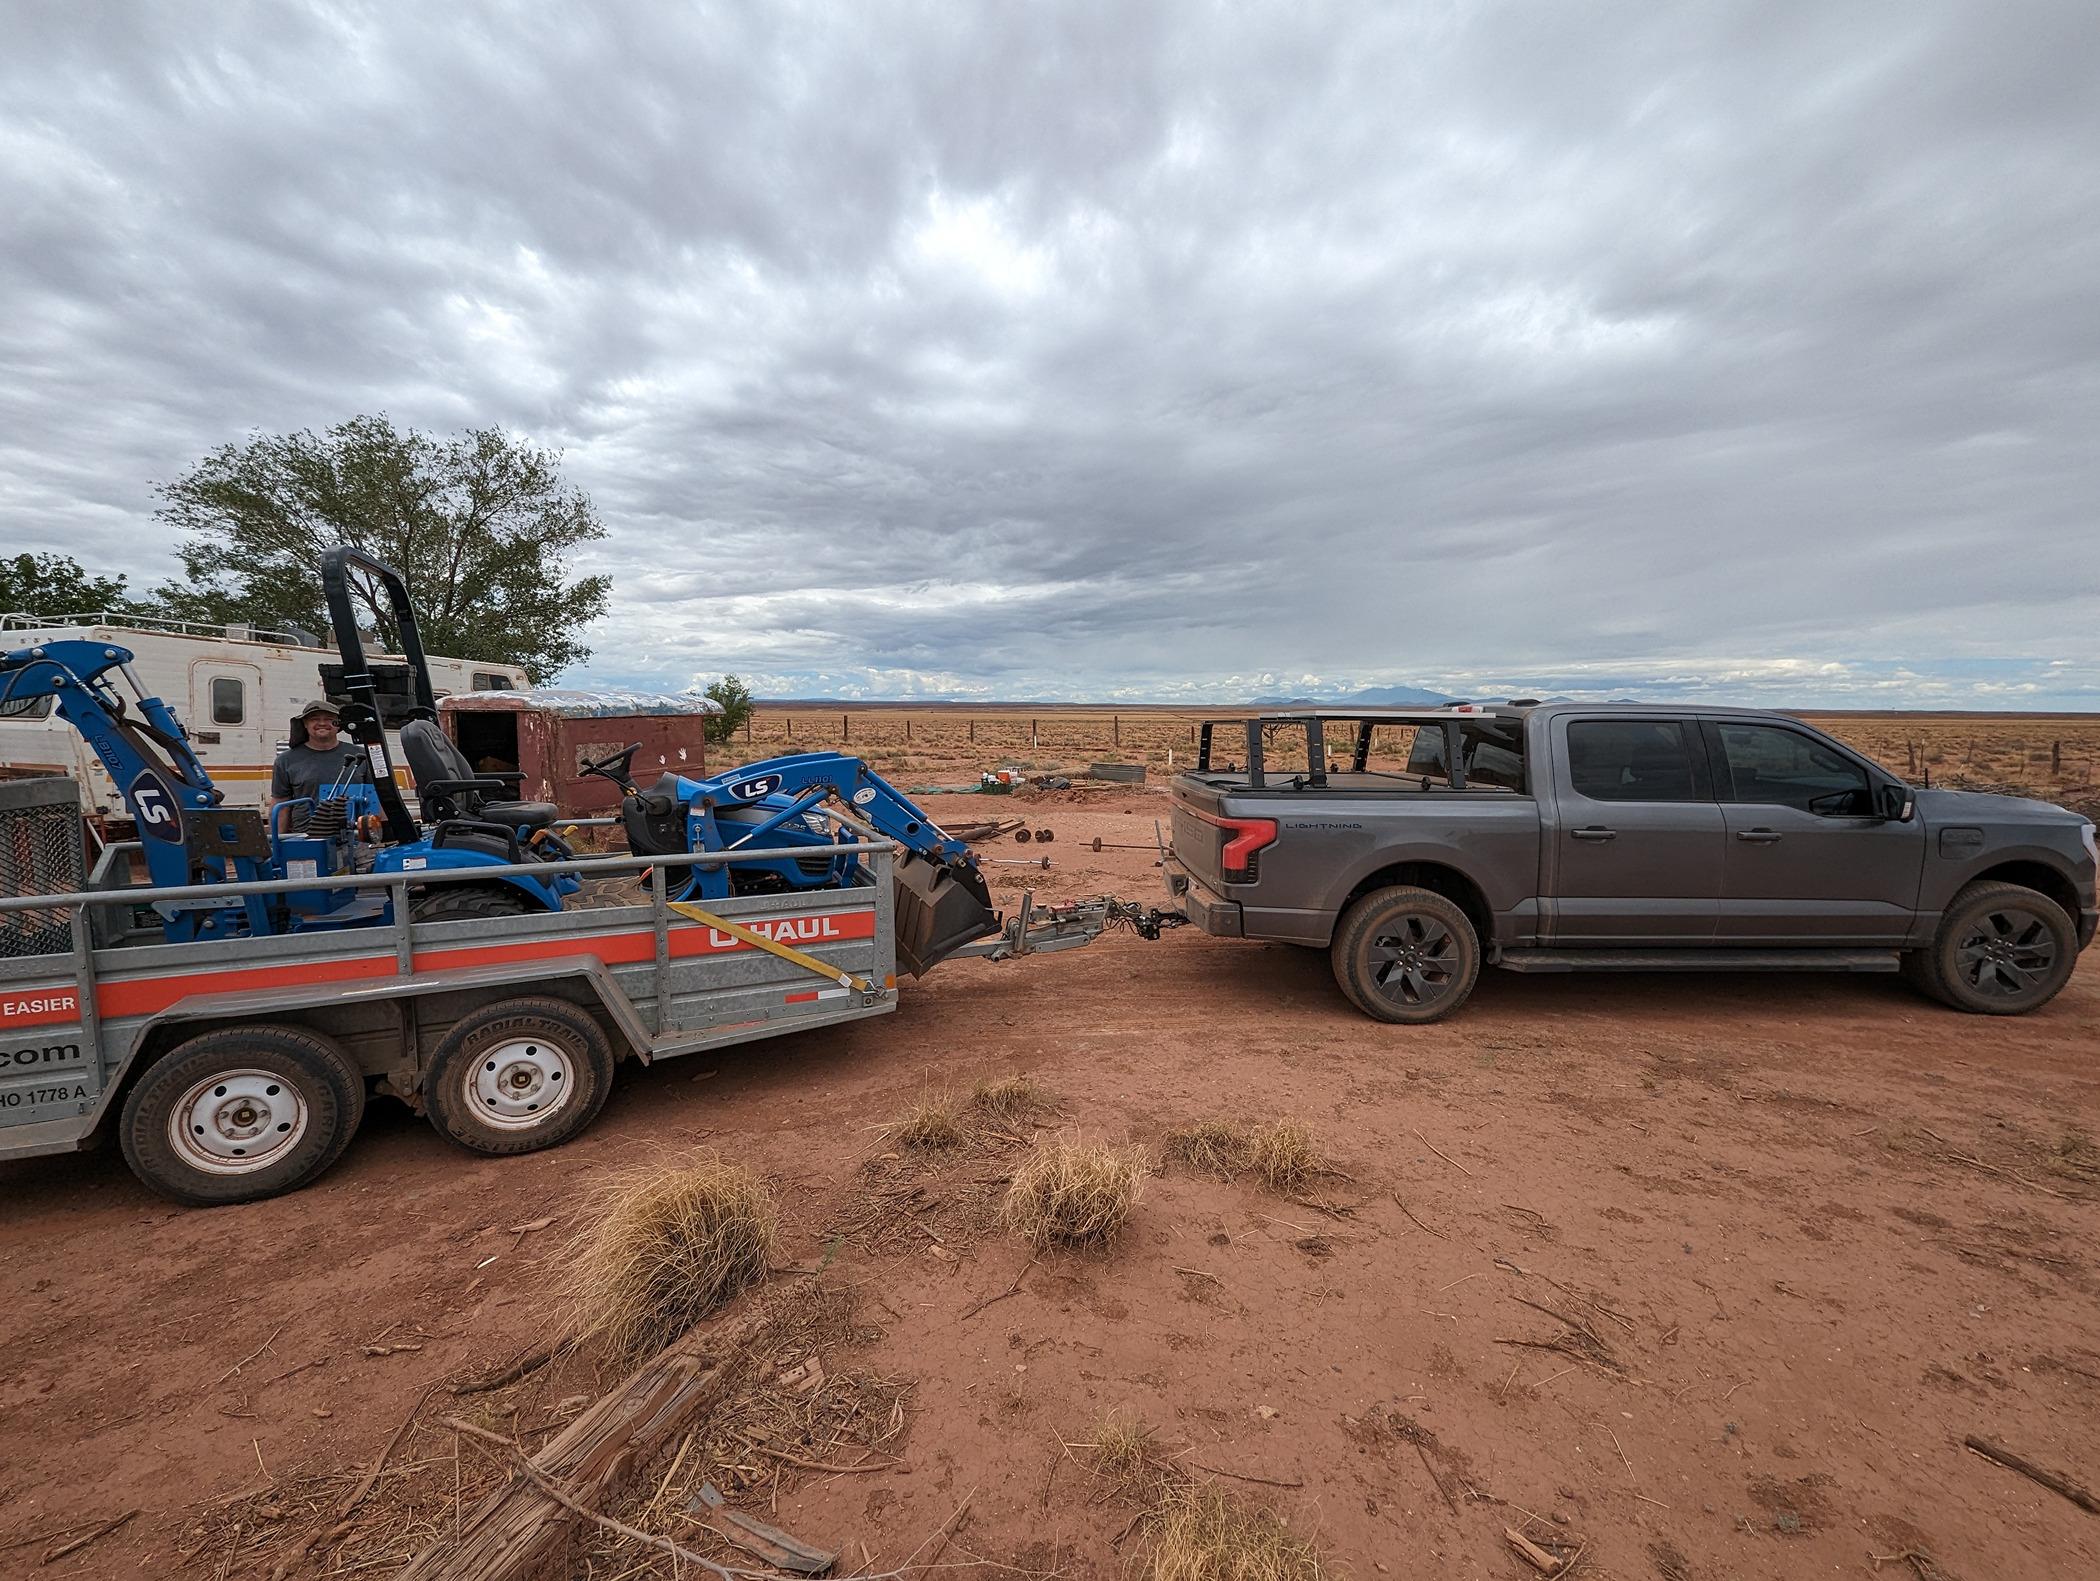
point(757, 786)
point(159, 815)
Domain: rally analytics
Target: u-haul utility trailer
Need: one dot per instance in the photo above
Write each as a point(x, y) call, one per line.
point(236, 688)
point(239, 1069)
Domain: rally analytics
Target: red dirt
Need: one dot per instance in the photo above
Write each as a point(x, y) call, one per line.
point(1809, 1297)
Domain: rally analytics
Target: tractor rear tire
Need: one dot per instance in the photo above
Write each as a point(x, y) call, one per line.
point(1406, 955)
point(241, 1113)
point(519, 1075)
point(464, 902)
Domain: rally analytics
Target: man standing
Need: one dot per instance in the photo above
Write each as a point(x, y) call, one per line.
point(309, 771)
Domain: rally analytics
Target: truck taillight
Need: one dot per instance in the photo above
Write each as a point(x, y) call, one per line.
point(1244, 839)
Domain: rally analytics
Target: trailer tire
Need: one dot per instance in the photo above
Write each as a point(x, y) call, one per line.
point(519, 1075)
point(1406, 955)
point(241, 1113)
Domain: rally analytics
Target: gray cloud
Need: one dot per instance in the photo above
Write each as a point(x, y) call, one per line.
point(1107, 350)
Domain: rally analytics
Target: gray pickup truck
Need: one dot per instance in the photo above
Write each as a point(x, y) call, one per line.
point(1417, 845)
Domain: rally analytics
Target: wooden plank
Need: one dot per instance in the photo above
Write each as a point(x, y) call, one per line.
point(519, 1530)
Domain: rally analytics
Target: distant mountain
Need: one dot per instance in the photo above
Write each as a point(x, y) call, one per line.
point(1368, 697)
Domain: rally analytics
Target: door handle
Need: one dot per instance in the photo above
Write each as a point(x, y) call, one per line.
point(1598, 835)
point(1757, 836)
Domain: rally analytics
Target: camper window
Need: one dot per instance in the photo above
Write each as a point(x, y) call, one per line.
point(27, 707)
point(484, 681)
point(228, 706)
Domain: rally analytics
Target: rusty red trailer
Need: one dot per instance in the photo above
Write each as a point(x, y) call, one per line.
point(546, 735)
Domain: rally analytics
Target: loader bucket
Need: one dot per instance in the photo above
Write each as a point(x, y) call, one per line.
point(939, 909)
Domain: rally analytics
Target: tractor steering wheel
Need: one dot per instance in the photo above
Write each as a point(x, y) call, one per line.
point(615, 768)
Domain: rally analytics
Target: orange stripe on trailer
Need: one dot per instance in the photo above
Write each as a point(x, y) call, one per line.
point(144, 996)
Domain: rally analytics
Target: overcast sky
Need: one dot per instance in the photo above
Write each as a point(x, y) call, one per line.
point(1127, 350)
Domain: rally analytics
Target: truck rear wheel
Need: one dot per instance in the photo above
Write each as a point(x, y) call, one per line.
point(519, 1075)
point(242, 1113)
point(1406, 955)
point(2001, 950)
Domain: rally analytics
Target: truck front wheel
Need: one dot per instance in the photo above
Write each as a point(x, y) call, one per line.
point(2001, 950)
point(1406, 955)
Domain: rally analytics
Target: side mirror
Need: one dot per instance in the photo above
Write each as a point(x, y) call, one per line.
point(1896, 803)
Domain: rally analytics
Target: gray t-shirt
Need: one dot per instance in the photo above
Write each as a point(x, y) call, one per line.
point(302, 771)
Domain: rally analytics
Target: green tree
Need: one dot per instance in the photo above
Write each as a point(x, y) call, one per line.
point(56, 584)
point(480, 524)
point(734, 698)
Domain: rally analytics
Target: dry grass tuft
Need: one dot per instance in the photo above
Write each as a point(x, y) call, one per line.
point(933, 1125)
point(1073, 1193)
point(1216, 1147)
point(1281, 1153)
point(664, 1247)
point(1199, 1534)
point(1122, 1452)
point(1284, 1156)
point(1009, 1101)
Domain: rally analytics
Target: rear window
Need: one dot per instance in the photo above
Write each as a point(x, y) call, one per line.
point(1631, 760)
point(28, 707)
point(1492, 751)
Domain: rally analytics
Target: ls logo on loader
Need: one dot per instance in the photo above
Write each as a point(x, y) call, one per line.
point(159, 814)
point(755, 787)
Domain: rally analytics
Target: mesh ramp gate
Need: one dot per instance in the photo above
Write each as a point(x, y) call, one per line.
point(42, 852)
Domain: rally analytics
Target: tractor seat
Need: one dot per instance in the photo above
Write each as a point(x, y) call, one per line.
point(519, 814)
point(444, 783)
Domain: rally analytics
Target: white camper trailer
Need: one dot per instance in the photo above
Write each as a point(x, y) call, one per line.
point(236, 689)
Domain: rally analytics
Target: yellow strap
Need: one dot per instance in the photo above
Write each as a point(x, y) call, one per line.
point(809, 963)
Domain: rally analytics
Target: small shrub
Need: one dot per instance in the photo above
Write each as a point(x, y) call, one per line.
point(1122, 1452)
point(1283, 1156)
point(1072, 1193)
point(664, 1246)
point(1216, 1147)
point(1198, 1534)
point(933, 1125)
point(1281, 1153)
point(1009, 1101)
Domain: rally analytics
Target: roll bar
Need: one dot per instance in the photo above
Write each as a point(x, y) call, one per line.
point(362, 718)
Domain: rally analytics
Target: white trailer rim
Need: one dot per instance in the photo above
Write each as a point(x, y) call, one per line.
point(520, 1085)
point(237, 1122)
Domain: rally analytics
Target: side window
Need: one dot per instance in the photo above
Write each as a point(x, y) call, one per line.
point(38, 707)
point(1781, 767)
point(228, 703)
point(1631, 760)
point(487, 681)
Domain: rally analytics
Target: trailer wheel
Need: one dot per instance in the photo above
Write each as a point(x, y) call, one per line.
point(242, 1113)
point(519, 1075)
point(2001, 950)
point(1406, 955)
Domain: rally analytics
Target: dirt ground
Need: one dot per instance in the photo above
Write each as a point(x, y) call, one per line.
point(1799, 1237)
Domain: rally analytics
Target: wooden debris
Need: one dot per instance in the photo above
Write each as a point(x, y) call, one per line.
point(522, 1524)
point(1446, 1157)
point(1418, 1224)
point(1011, 1290)
point(770, 1543)
point(1531, 1553)
point(53, 1555)
point(504, 1377)
point(365, 1487)
point(2055, 1482)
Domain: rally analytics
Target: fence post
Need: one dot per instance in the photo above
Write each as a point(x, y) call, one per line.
point(791, 727)
point(845, 727)
point(973, 730)
point(907, 729)
point(1118, 718)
